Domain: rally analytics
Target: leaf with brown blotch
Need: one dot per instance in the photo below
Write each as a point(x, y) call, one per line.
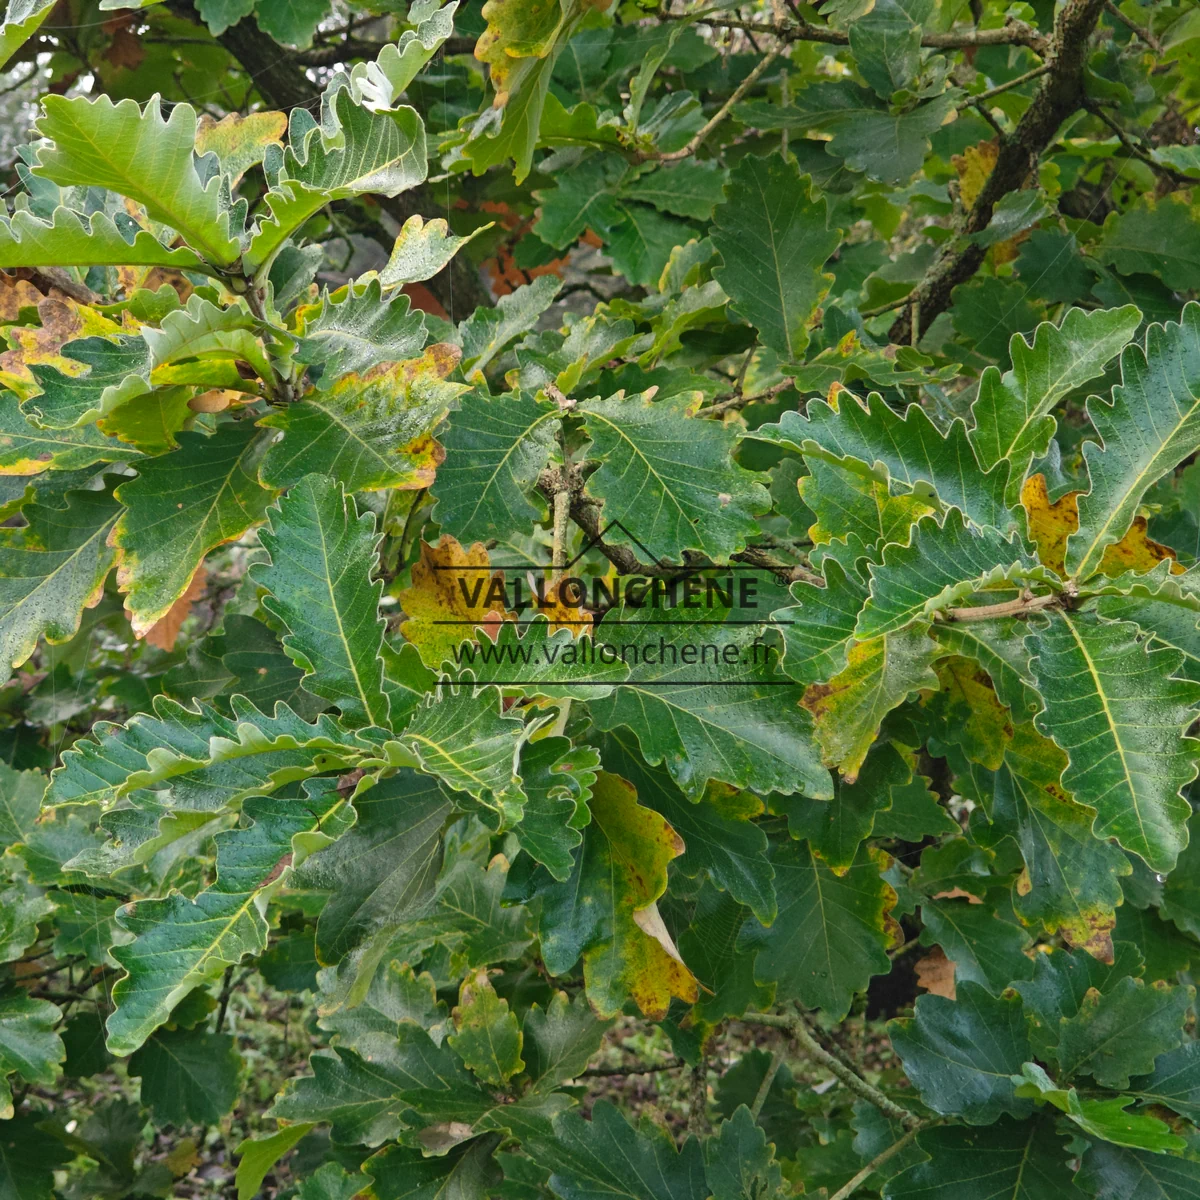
point(453, 594)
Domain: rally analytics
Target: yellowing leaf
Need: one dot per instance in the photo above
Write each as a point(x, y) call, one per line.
point(240, 142)
point(453, 594)
point(974, 165)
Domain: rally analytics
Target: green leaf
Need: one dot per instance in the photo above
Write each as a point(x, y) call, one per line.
point(365, 151)
point(960, 1054)
point(70, 239)
point(908, 449)
point(180, 944)
point(331, 1181)
point(985, 948)
point(135, 153)
point(819, 630)
point(1105, 1119)
point(488, 330)
point(584, 198)
point(462, 736)
point(998, 647)
point(1010, 1160)
point(1152, 424)
point(1012, 411)
point(180, 507)
point(51, 570)
point(738, 1162)
point(832, 932)
point(1175, 1081)
point(690, 189)
point(1071, 880)
point(422, 248)
point(880, 674)
point(294, 24)
point(359, 332)
point(847, 504)
point(258, 1155)
point(670, 476)
point(189, 1077)
point(889, 146)
point(1110, 1173)
point(560, 1041)
point(1114, 707)
point(29, 1046)
point(737, 722)
point(886, 42)
point(20, 799)
point(396, 994)
point(1120, 1033)
point(209, 761)
point(836, 828)
point(942, 563)
point(557, 779)
point(28, 1158)
point(773, 239)
point(21, 21)
point(319, 585)
point(487, 1036)
point(608, 1157)
point(496, 447)
point(467, 1171)
point(1060, 983)
point(21, 909)
point(383, 871)
point(118, 371)
point(1155, 237)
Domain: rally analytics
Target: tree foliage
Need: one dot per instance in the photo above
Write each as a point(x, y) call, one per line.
point(545, 525)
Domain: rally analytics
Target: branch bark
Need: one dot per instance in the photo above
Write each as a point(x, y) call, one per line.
point(1060, 95)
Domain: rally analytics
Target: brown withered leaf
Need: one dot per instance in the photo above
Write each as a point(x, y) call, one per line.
point(163, 633)
point(935, 973)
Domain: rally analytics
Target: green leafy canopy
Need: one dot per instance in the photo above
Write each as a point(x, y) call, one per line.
point(600, 601)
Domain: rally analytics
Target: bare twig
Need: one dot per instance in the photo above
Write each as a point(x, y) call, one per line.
point(1145, 34)
point(1005, 87)
point(637, 1069)
point(690, 149)
point(1010, 608)
point(698, 1098)
point(848, 1189)
point(798, 1027)
point(1013, 33)
point(1160, 169)
point(223, 1003)
point(736, 400)
point(764, 1088)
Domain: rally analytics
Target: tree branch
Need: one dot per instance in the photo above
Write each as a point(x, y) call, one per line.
point(1176, 178)
point(1012, 33)
point(798, 1027)
point(1060, 95)
point(1144, 33)
point(994, 612)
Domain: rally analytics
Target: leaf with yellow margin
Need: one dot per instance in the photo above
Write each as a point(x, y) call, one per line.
point(880, 674)
point(1051, 524)
point(240, 142)
point(970, 712)
point(606, 910)
point(62, 320)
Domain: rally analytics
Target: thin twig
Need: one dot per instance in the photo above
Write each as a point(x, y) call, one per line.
point(226, 992)
point(848, 1189)
point(636, 1069)
point(1012, 33)
point(737, 401)
point(698, 1098)
point(690, 149)
point(764, 1088)
point(1005, 87)
point(1010, 608)
point(1142, 155)
point(1144, 34)
point(799, 1029)
point(867, 313)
